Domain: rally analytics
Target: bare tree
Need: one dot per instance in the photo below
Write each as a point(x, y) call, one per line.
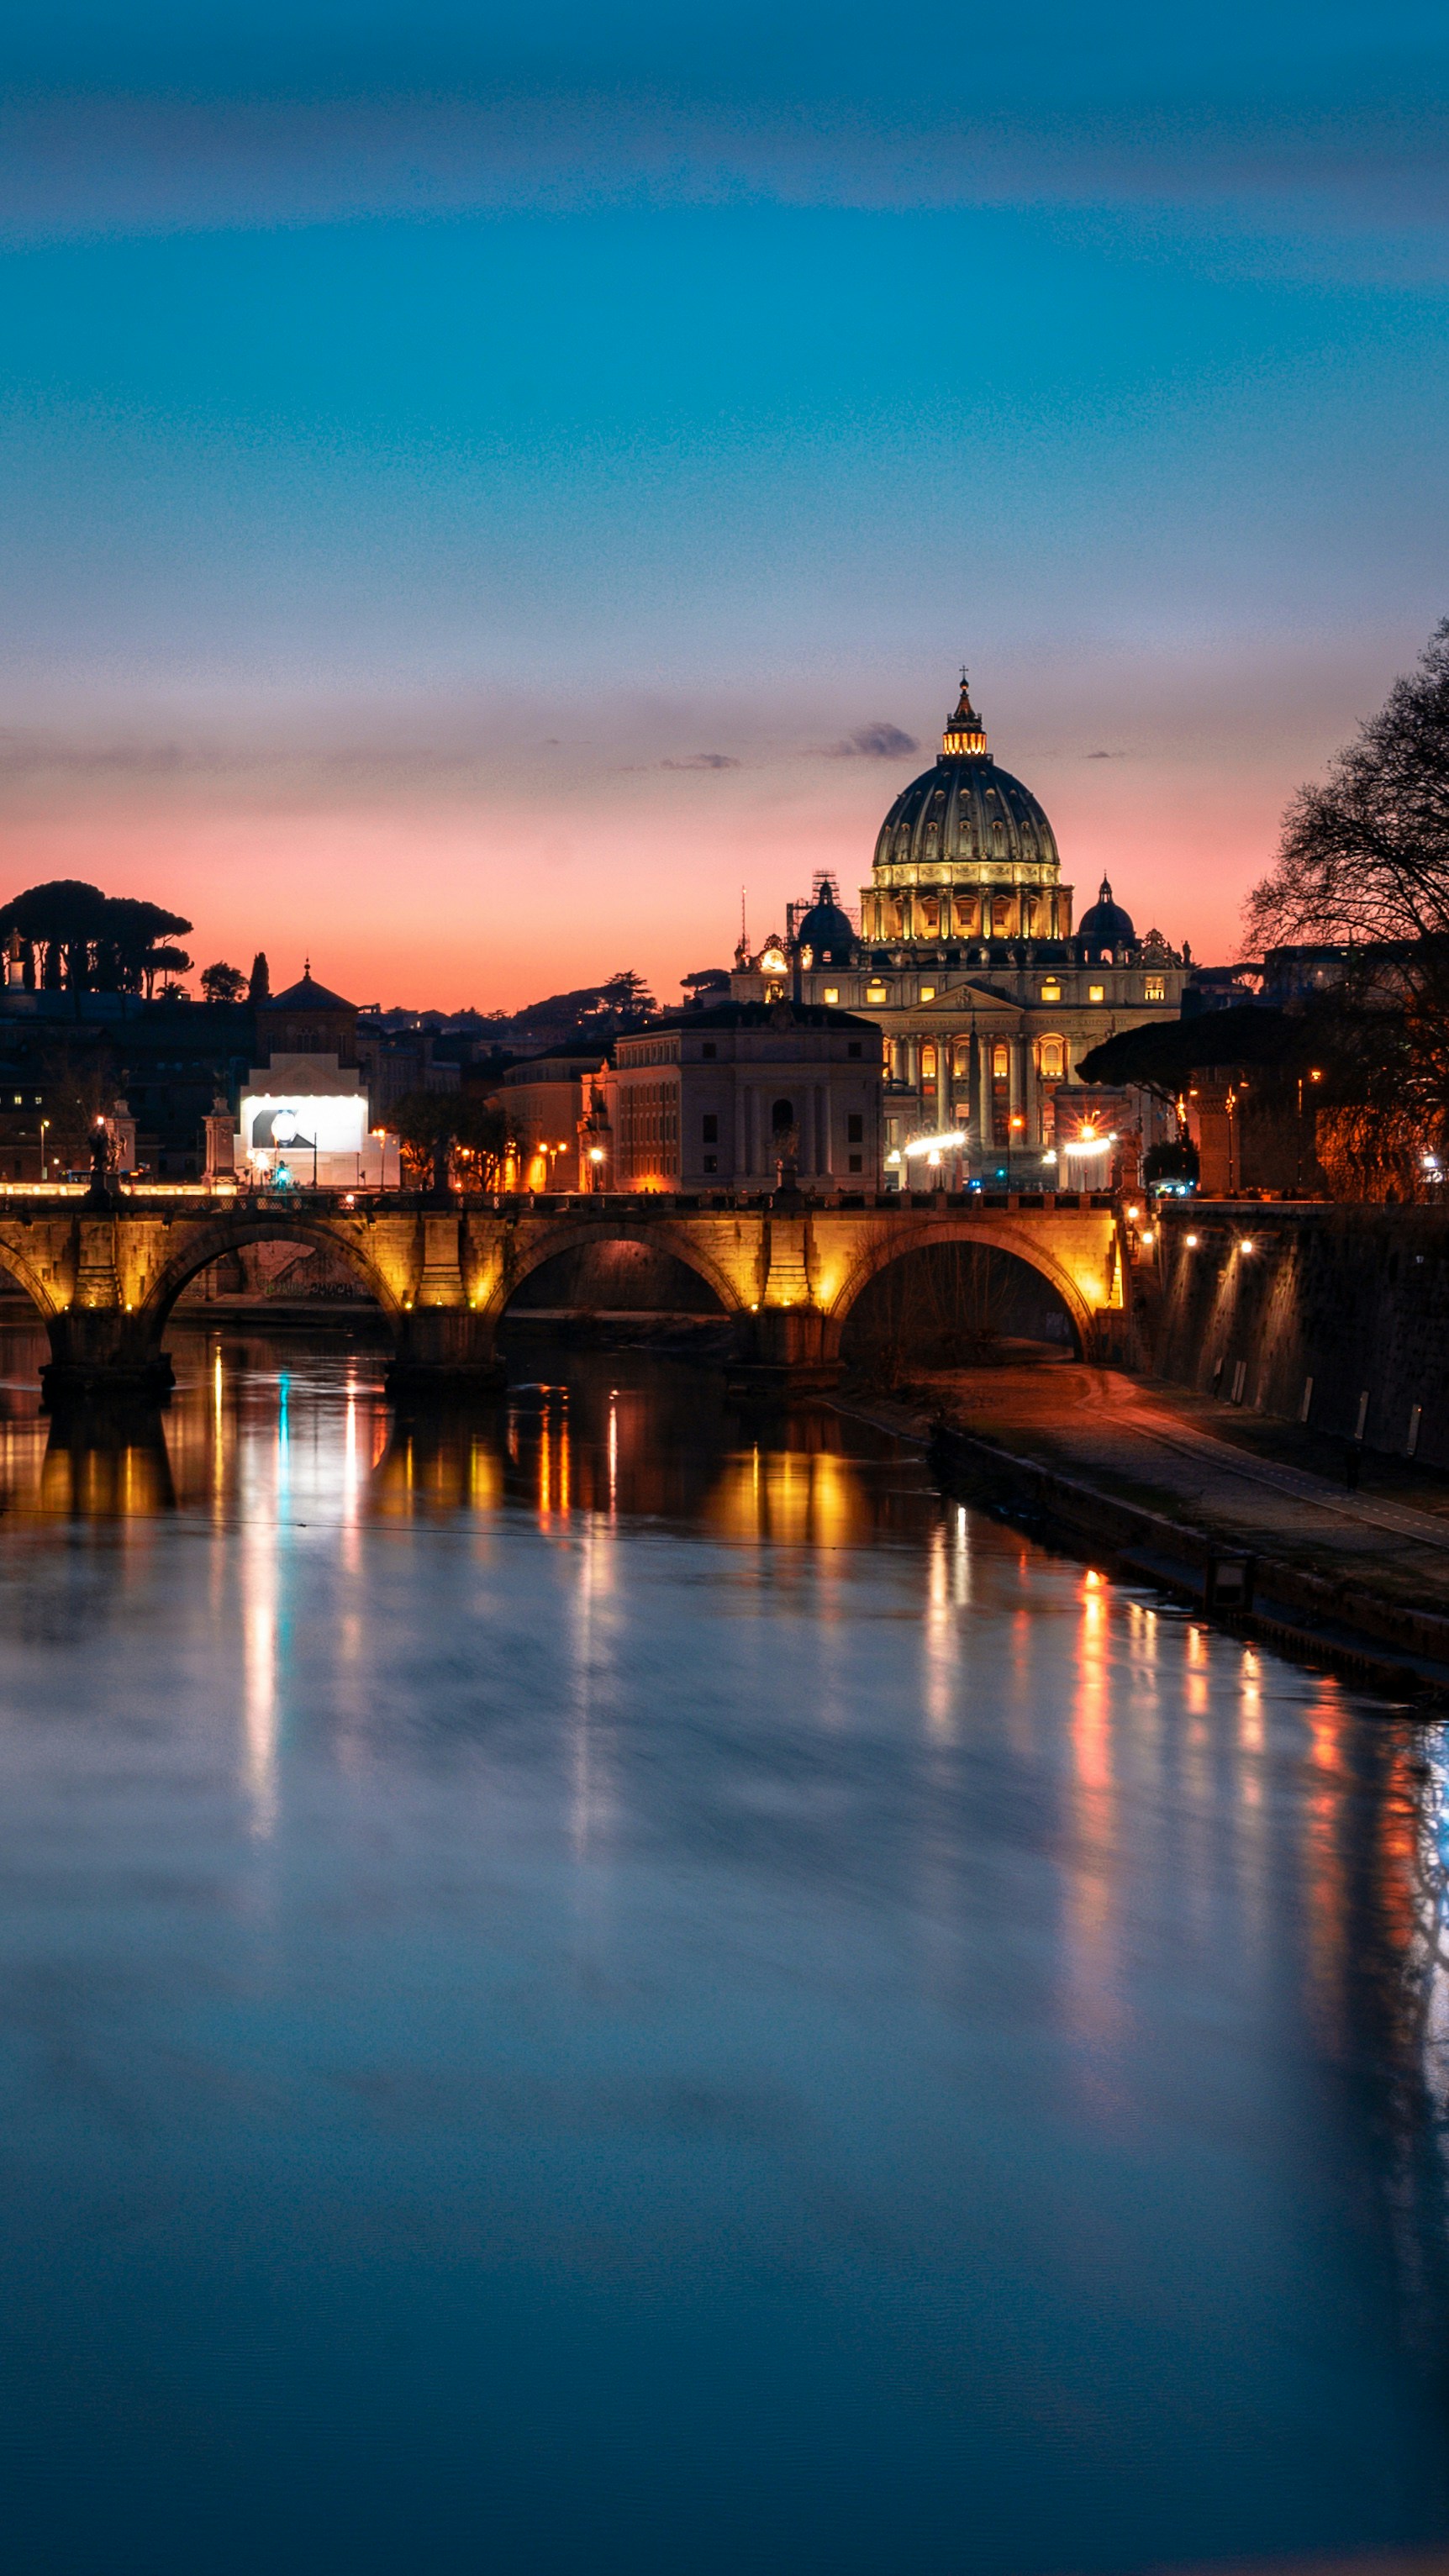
point(1365, 856)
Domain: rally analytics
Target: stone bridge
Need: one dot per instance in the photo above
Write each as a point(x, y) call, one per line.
point(105, 1272)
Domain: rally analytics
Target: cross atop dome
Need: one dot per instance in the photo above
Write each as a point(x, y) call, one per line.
point(965, 734)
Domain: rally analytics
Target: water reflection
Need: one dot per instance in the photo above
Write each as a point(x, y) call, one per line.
point(666, 1931)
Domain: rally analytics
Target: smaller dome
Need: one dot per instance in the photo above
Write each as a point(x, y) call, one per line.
point(1105, 924)
point(825, 930)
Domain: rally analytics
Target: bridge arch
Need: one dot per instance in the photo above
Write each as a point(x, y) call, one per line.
point(656, 1236)
point(208, 1243)
point(45, 1300)
point(994, 1234)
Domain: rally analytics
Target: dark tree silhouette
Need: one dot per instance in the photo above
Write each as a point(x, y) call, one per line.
point(134, 940)
point(222, 983)
point(627, 995)
point(260, 984)
point(169, 962)
point(61, 920)
point(1365, 856)
point(450, 1136)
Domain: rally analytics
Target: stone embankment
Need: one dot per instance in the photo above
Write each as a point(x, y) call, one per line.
point(1335, 1317)
point(1250, 1520)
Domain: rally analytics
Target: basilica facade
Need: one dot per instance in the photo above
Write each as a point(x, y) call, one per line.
point(969, 959)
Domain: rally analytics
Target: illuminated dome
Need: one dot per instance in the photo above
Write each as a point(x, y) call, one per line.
point(965, 811)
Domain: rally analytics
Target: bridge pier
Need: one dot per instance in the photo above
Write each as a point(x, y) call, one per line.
point(444, 1349)
point(784, 1351)
point(102, 1351)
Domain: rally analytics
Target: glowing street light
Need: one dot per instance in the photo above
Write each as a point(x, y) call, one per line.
point(936, 1146)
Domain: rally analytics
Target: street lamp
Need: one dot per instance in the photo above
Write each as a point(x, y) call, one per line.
point(1315, 1074)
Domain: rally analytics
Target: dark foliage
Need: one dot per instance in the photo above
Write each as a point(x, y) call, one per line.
point(451, 1138)
point(75, 937)
point(1365, 856)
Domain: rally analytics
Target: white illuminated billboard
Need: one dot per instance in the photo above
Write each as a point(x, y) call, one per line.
point(299, 1122)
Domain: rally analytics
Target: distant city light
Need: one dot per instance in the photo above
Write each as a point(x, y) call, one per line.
point(1191, 1241)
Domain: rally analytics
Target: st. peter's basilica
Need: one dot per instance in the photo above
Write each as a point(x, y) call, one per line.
point(967, 956)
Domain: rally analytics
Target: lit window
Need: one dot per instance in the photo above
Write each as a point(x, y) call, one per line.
point(875, 993)
point(1051, 1059)
point(832, 992)
point(1000, 1063)
point(928, 992)
point(1154, 990)
point(1096, 992)
point(928, 1064)
point(1051, 990)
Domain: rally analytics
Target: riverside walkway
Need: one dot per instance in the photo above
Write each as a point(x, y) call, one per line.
point(1373, 1560)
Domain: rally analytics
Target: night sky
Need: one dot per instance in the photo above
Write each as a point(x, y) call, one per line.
point(482, 484)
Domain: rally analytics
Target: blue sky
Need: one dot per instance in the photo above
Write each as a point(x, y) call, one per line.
point(472, 477)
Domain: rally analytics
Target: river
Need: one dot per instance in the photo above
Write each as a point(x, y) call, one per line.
point(594, 1989)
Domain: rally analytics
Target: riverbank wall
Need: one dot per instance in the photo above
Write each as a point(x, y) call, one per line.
point(1336, 1317)
point(1330, 1617)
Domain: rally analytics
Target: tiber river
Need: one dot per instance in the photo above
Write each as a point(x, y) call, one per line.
point(592, 1990)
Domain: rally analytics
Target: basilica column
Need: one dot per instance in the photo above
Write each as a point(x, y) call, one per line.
point(944, 1121)
point(1014, 1052)
point(988, 1110)
point(1031, 1098)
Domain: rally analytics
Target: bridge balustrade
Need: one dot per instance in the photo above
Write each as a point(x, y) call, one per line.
point(104, 1270)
